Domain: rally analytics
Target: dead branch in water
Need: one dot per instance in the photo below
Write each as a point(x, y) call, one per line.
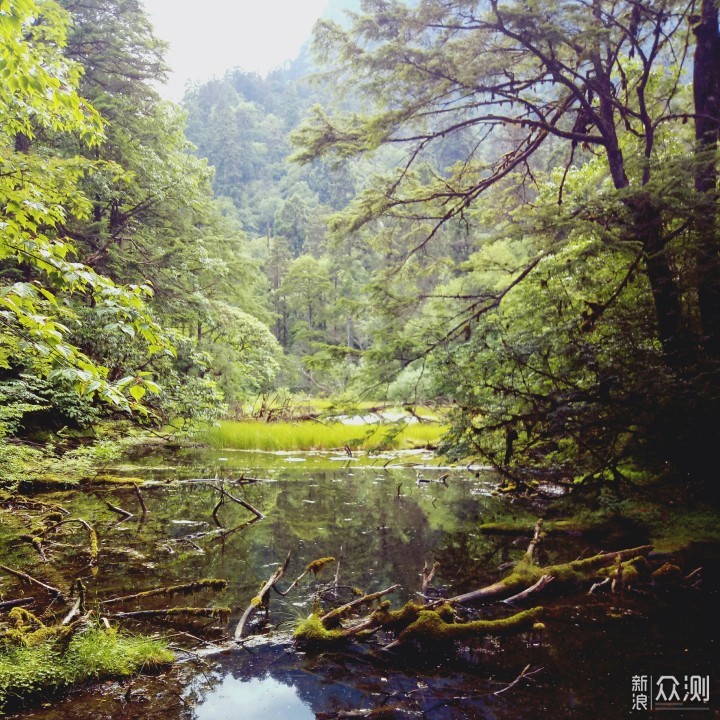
point(29, 578)
point(92, 535)
point(244, 503)
point(260, 600)
point(19, 602)
point(544, 581)
point(216, 613)
point(428, 573)
point(140, 498)
point(525, 575)
point(118, 510)
point(185, 589)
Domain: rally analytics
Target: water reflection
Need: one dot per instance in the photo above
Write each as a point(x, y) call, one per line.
point(255, 699)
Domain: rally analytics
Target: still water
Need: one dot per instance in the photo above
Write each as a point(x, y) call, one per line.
point(386, 516)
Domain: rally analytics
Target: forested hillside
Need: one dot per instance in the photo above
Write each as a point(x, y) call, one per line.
point(397, 215)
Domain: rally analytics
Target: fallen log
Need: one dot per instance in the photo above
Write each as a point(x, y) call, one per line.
point(185, 589)
point(221, 613)
point(18, 602)
point(430, 627)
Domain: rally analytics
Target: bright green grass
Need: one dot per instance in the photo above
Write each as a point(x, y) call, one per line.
point(91, 656)
point(252, 435)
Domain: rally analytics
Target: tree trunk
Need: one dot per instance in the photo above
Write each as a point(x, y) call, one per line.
point(706, 88)
point(663, 283)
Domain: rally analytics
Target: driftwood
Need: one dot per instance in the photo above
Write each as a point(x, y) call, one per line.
point(260, 600)
point(29, 578)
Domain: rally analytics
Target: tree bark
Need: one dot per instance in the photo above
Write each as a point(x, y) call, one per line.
point(706, 89)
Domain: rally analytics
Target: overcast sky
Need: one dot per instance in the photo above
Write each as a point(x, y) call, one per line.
point(207, 37)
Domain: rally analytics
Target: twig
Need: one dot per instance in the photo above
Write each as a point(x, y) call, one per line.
point(522, 675)
point(339, 562)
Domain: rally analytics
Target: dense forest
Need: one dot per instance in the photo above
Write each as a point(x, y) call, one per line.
point(532, 243)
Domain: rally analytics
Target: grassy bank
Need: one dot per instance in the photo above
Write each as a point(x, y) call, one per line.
point(28, 670)
point(256, 435)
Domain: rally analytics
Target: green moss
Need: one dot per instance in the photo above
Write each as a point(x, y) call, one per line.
point(95, 654)
point(430, 627)
point(669, 575)
point(317, 565)
point(397, 620)
point(635, 570)
point(313, 632)
point(109, 479)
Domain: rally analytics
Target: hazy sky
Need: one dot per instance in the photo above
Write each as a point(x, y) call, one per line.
point(208, 37)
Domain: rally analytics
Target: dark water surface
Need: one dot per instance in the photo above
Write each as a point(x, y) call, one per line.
point(388, 522)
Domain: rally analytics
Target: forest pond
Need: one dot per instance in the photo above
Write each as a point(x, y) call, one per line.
point(387, 515)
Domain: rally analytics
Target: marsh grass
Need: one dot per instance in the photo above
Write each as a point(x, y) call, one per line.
point(92, 655)
point(256, 435)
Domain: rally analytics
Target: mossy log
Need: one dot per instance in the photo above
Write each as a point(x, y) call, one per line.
point(220, 613)
point(432, 628)
point(214, 584)
point(573, 574)
point(29, 631)
point(333, 618)
point(316, 630)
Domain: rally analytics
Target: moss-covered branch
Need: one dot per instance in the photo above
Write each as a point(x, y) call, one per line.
point(574, 574)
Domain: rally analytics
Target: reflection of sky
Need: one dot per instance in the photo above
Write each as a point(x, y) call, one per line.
point(258, 699)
